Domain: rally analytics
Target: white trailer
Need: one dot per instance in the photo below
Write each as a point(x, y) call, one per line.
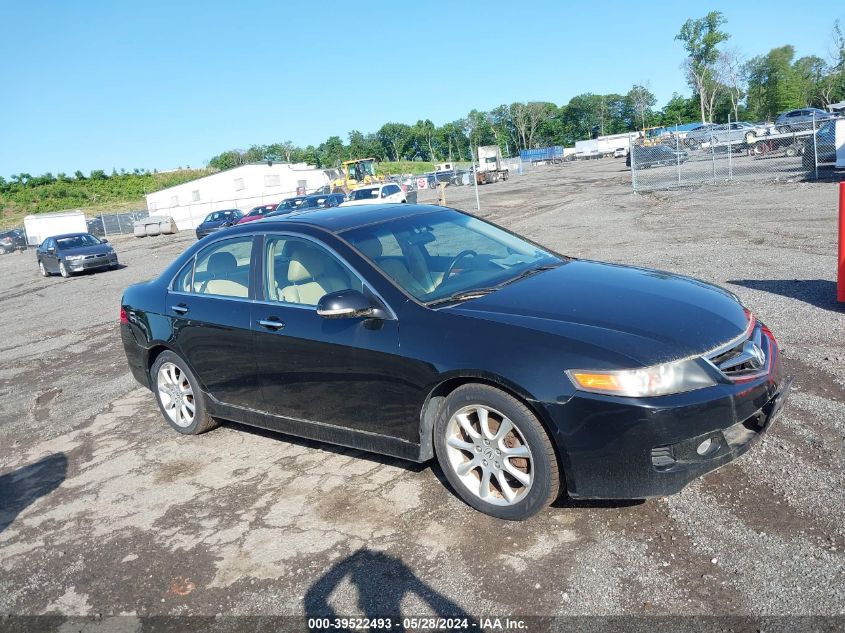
point(43, 225)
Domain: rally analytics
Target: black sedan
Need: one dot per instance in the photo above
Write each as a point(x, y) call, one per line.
point(74, 253)
point(218, 220)
point(422, 332)
point(11, 241)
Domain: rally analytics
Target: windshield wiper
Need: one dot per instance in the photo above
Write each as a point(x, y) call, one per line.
point(463, 295)
point(527, 273)
point(475, 293)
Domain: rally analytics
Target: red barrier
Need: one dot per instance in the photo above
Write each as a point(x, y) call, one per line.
point(840, 288)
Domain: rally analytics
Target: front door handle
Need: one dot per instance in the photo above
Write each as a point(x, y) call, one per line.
point(272, 324)
point(180, 309)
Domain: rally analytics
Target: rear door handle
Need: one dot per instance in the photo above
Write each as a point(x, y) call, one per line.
point(180, 309)
point(272, 324)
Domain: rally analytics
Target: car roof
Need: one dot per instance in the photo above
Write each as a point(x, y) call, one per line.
point(64, 235)
point(339, 219)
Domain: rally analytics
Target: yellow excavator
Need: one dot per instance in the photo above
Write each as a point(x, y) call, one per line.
point(355, 173)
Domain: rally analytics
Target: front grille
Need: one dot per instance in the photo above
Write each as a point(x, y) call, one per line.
point(745, 358)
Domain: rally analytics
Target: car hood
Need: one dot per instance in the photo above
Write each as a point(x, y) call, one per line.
point(646, 316)
point(88, 250)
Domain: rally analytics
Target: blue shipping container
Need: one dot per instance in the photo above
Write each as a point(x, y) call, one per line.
point(542, 153)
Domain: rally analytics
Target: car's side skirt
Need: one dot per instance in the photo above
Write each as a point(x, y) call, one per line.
point(320, 431)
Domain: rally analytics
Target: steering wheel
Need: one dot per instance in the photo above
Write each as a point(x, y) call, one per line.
point(454, 262)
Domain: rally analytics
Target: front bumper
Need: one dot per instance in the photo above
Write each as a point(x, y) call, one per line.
point(95, 263)
point(624, 448)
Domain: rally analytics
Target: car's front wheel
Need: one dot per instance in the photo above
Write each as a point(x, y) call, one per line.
point(179, 396)
point(495, 453)
point(63, 271)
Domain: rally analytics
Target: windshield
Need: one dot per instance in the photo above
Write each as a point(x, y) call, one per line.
point(217, 216)
point(291, 203)
point(76, 241)
point(364, 194)
point(436, 255)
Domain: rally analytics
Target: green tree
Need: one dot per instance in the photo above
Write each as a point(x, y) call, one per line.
point(394, 138)
point(701, 37)
point(641, 100)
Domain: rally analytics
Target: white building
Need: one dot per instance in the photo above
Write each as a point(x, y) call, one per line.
point(241, 188)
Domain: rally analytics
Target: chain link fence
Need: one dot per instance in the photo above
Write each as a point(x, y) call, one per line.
point(118, 223)
point(803, 149)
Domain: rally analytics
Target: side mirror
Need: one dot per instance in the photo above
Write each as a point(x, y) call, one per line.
point(346, 304)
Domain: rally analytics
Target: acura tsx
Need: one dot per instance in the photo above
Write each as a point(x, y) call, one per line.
point(425, 333)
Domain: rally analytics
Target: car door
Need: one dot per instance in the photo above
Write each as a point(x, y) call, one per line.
point(344, 372)
point(49, 255)
point(209, 304)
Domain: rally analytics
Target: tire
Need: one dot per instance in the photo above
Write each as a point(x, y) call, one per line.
point(64, 272)
point(43, 270)
point(519, 497)
point(791, 151)
point(171, 378)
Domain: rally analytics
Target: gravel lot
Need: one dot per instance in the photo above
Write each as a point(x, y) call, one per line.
point(104, 510)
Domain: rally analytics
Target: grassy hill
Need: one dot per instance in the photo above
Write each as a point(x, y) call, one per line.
point(96, 194)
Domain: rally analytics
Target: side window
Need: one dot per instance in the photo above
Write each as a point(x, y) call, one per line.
point(301, 272)
point(182, 282)
point(222, 269)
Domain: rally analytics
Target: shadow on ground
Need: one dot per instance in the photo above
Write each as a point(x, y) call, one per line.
point(817, 292)
point(382, 583)
point(19, 488)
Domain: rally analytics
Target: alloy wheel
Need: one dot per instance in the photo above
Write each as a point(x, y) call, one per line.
point(176, 395)
point(62, 270)
point(489, 454)
point(42, 269)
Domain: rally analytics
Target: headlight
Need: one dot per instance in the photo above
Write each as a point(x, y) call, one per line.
point(75, 258)
point(659, 380)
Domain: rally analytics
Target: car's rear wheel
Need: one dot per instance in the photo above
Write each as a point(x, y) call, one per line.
point(179, 396)
point(495, 453)
point(43, 270)
point(64, 272)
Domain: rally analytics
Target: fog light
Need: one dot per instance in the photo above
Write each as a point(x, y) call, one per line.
point(706, 447)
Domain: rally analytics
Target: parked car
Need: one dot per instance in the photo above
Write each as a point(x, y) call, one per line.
point(375, 194)
point(422, 332)
point(11, 241)
point(290, 204)
point(825, 147)
point(74, 253)
point(655, 156)
point(698, 135)
point(322, 201)
point(801, 119)
point(734, 132)
point(217, 220)
point(620, 152)
point(256, 213)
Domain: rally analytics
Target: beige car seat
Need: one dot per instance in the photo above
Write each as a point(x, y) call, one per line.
point(221, 268)
point(311, 275)
point(395, 268)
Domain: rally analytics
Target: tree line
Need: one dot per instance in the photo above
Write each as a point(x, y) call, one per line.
point(723, 82)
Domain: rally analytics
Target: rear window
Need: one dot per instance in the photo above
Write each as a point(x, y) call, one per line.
point(365, 194)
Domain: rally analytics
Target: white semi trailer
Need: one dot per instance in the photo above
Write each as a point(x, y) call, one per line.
point(43, 225)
